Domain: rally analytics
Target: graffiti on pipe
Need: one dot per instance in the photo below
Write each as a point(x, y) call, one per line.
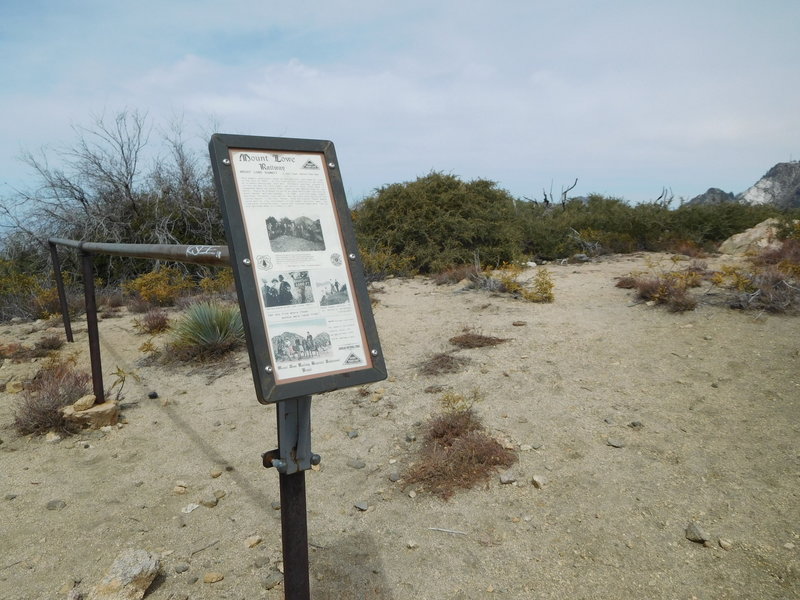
point(204, 251)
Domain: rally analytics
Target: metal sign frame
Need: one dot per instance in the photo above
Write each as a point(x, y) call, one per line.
point(254, 175)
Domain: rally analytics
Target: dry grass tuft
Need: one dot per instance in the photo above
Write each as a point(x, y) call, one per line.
point(457, 454)
point(442, 363)
point(470, 339)
point(57, 385)
point(154, 321)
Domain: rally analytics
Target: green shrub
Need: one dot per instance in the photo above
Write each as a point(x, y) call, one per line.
point(438, 221)
point(162, 287)
point(207, 330)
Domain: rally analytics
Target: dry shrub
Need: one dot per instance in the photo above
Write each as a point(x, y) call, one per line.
point(456, 274)
point(57, 385)
point(49, 343)
point(687, 248)
point(138, 306)
point(442, 363)
point(42, 348)
point(154, 321)
point(470, 339)
point(457, 454)
point(627, 282)
point(670, 289)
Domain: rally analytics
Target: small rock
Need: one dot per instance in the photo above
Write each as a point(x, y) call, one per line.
point(615, 443)
point(216, 473)
point(14, 387)
point(52, 437)
point(84, 403)
point(362, 506)
point(275, 505)
point(192, 580)
point(9, 496)
point(56, 505)
point(181, 568)
point(526, 447)
point(789, 546)
point(352, 434)
point(253, 541)
point(519, 323)
point(260, 562)
point(208, 500)
point(355, 463)
point(394, 476)
point(219, 494)
point(411, 544)
point(725, 544)
point(708, 544)
point(411, 436)
point(128, 578)
point(152, 395)
point(636, 425)
point(189, 508)
point(507, 478)
point(213, 577)
point(412, 494)
point(179, 489)
point(695, 533)
point(271, 580)
point(539, 481)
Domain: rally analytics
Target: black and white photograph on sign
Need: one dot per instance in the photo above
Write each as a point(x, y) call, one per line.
point(285, 289)
point(301, 234)
point(333, 290)
point(302, 341)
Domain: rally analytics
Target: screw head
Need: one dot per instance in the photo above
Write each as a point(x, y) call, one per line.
point(332, 165)
point(246, 262)
point(226, 161)
point(374, 352)
point(351, 256)
point(268, 369)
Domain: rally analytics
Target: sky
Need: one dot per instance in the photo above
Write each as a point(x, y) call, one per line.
point(629, 97)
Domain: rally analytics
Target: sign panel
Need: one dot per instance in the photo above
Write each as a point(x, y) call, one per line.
point(300, 282)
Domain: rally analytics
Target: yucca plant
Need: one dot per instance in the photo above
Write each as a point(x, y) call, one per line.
point(207, 330)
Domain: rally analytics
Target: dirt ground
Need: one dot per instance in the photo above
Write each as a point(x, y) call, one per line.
point(705, 406)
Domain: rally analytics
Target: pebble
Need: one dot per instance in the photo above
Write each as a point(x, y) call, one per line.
point(209, 500)
point(179, 489)
point(352, 434)
point(213, 577)
point(216, 473)
point(253, 541)
point(412, 494)
point(220, 494)
point(152, 395)
point(275, 505)
point(725, 544)
point(9, 496)
point(411, 437)
point(394, 476)
point(411, 544)
point(355, 463)
point(615, 443)
point(695, 533)
point(56, 505)
point(181, 568)
point(526, 447)
point(507, 478)
point(636, 425)
point(260, 562)
point(519, 323)
point(539, 481)
point(189, 508)
point(52, 437)
point(270, 581)
point(789, 546)
point(362, 506)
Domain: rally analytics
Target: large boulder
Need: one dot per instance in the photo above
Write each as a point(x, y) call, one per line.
point(758, 238)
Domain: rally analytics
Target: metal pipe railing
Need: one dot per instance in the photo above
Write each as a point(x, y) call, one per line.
point(195, 254)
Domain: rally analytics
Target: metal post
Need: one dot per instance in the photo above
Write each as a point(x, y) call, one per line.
point(62, 294)
point(294, 536)
point(91, 327)
point(291, 459)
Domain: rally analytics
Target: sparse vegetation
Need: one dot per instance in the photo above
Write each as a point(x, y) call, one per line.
point(471, 339)
point(456, 451)
point(57, 385)
point(206, 331)
point(442, 362)
point(153, 321)
point(506, 280)
point(162, 287)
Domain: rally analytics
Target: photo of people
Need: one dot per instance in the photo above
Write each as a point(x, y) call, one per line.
point(301, 342)
point(332, 290)
point(284, 289)
point(303, 234)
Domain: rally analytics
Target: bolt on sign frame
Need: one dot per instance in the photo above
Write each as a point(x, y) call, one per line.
point(301, 286)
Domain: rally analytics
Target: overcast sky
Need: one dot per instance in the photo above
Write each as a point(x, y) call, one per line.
point(627, 96)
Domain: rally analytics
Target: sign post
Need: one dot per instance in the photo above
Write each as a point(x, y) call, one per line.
point(303, 297)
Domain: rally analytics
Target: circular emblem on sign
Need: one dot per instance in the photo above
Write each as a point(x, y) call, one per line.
point(336, 259)
point(264, 262)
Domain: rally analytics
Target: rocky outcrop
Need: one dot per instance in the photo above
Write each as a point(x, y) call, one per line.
point(713, 196)
point(762, 236)
point(779, 187)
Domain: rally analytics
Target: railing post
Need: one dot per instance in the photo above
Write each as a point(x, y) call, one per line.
point(91, 327)
point(62, 294)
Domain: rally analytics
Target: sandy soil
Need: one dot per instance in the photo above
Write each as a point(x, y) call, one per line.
point(717, 393)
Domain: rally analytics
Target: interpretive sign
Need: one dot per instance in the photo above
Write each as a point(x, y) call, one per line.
point(301, 286)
